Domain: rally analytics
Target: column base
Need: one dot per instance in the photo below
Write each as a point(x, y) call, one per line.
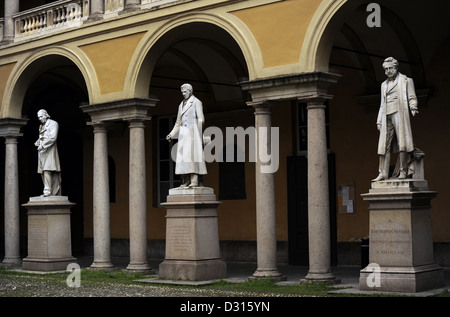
point(12, 261)
point(202, 270)
point(272, 274)
point(143, 268)
point(103, 266)
point(320, 277)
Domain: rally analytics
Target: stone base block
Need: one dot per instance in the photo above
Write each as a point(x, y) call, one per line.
point(192, 237)
point(402, 279)
point(400, 238)
point(46, 265)
point(49, 235)
point(193, 270)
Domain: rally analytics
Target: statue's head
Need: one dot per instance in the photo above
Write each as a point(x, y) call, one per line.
point(390, 66)
point(43, 115)
point(186, 90)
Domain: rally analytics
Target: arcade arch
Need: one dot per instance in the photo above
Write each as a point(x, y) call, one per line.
point(53, 82)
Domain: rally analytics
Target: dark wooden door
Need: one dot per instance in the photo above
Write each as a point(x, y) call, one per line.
point(297, 170)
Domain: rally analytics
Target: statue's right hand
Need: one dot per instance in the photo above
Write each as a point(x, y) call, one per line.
point(169, 138)
point(379, 126)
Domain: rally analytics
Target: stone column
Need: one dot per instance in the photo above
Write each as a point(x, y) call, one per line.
point(265, 200)
point(12, 225)
point(102, 236)
point(97, 9)
point(138, 199)
point(318, 196)
point(11, 7)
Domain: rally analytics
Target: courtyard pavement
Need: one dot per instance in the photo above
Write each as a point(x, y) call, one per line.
point(348, 276)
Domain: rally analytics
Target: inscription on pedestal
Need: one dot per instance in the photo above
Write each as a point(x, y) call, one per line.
point(37, 236)
point(400, 240)
point(390, 238)
point(179, 239)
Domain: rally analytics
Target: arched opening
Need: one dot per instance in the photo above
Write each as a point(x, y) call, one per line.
point(204, 55)
point(207, 57)
point(413, 32)
point(56, 85)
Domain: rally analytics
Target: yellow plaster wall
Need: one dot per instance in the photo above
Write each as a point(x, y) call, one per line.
point(5, 71)
point(111, 59)
point(280, 28)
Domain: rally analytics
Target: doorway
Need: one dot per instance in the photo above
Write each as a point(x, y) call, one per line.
point(297, 177)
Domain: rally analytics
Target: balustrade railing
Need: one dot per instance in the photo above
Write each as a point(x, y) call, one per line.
point(113, 7)
point(65, 14)
point(49, 18)
point(147, 4)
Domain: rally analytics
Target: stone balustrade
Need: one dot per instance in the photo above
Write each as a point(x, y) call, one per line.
point(113, 7)
point(49, 18)
point(65, 14)
point(148, 4)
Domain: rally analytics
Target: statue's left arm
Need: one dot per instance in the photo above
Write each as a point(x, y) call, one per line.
point(412, 98)
point(199, 113)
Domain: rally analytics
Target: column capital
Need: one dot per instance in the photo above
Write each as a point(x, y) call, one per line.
point(120, 110)
point(303, 86)
point(137, 123)
point(315, 105)
point(11, 139)
point(262, 103)
point(262, 107)
point(316, 100)
point(99, 126)
point(10, 127)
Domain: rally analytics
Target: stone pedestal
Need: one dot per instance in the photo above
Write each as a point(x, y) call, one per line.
point(400, 238)
point(49, 244)
point(192, 237)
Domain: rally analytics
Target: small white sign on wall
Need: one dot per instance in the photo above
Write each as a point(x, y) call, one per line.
point(346, 198)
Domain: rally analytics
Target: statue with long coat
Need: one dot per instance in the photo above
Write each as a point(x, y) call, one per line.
point(48, 157)
point(190, 160)
point(398, 98)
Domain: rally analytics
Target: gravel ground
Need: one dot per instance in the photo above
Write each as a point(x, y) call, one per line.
point(39, 294)
point(39, 286)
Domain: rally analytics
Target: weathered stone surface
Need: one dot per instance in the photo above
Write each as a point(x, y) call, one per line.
point(192, 238)
point(49, 235)
point(400, 237)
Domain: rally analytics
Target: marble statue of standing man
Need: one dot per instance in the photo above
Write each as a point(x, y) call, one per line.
point(48, 158)
point(190, 160)
point(398, 98)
